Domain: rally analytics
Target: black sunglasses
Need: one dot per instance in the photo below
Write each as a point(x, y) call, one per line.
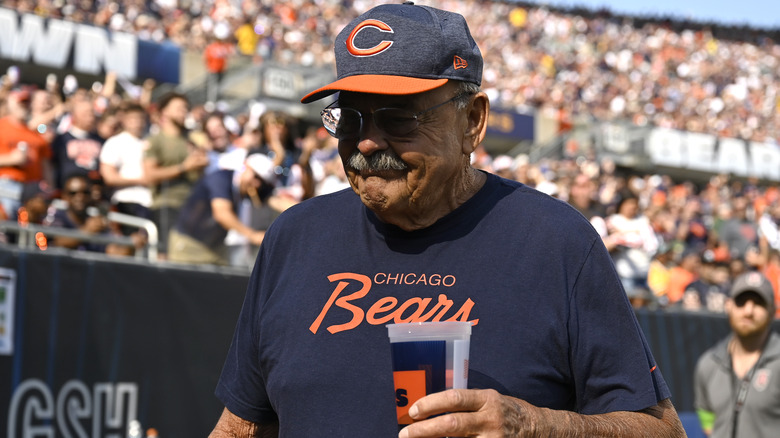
point(346, 123)
point(78, 192)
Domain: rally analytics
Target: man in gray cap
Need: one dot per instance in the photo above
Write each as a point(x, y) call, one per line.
point(737, 382)
point(555, 347)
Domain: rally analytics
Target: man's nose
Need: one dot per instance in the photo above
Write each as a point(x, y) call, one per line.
point(371, 139)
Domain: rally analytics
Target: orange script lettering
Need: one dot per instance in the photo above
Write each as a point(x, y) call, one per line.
point(385, 309)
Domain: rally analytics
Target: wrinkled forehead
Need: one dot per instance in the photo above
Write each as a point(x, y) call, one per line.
point(373, 101)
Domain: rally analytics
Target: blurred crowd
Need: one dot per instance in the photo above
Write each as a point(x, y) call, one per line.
point(211, 183)
point(675, 244)
point(571, 64)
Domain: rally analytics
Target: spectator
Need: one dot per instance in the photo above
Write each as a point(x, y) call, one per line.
point(735, 384)
point(711, 290)
point(691, 229)
point(24, 153)
point(108, 124)
point(211, 210)
point(219, 141)
point(582, 196)
point(122, 166)
point(739, 234)
point(247, 38)
point(77, 215)
point(216, 58)
point(172, 165)
point(682, 275)
point(291, 162)
point(77, 150)
point(46, 109)
point(769, 225)
point(327, 171)
point(234, 155)
point(241, 253)
point(632, 244)
point(36, 198)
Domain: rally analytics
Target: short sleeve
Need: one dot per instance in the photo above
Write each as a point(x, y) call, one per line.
point(151, 150)
point(109, 153)
point(241, 386)
point(613, 367)
point(220, 184)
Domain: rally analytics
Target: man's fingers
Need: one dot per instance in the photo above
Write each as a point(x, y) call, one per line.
point(465, 412)
point(454, 424)
point(451, 400)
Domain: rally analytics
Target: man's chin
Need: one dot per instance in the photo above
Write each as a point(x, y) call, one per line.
point(376, 192)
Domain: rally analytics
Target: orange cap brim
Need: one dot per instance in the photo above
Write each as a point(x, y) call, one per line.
point(375, 84)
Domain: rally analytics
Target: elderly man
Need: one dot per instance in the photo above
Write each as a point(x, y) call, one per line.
point(555, 347)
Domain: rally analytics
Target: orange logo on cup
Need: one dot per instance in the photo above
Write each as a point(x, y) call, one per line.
point(409, 387)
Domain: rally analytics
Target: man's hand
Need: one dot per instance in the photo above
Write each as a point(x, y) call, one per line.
point(196, 160)
point(470, 412)
point(95, 224)
point(488, 414)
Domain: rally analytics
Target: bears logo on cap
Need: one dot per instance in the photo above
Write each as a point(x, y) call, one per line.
point(404, 49)
point(371, 51)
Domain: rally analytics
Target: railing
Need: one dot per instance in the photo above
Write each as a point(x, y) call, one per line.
point(152, 238)
point(27, 234)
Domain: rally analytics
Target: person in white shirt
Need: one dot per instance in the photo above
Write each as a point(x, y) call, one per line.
point(121, 165)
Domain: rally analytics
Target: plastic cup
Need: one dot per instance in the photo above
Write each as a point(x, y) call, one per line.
point(428, 357)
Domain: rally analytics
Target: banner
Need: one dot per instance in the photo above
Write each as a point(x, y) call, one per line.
point(509, 124)
point(65, 45)
point(99, 343)
point(691, 150)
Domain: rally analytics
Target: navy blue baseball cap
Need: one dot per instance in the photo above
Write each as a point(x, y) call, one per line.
point(403, 49)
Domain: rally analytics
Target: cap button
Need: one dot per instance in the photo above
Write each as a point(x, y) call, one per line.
point(408, 2)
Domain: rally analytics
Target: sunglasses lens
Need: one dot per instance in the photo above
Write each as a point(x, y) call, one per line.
point(345, 123)
point(395, 122)
point(341, 123)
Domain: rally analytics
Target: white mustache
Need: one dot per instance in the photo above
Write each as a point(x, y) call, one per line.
point(378, 161)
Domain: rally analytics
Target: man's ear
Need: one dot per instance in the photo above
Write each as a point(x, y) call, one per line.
point(477, 116)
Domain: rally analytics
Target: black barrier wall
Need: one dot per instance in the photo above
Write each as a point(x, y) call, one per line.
point(99, 342)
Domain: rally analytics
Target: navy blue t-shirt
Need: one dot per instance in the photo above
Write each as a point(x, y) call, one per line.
point(60, 219)
point(196, 218)
point(552, 324)
point(76, 156)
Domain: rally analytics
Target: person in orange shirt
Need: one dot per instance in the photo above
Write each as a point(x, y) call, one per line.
point(680, 276)
point(24, 153)
point(216, 57)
